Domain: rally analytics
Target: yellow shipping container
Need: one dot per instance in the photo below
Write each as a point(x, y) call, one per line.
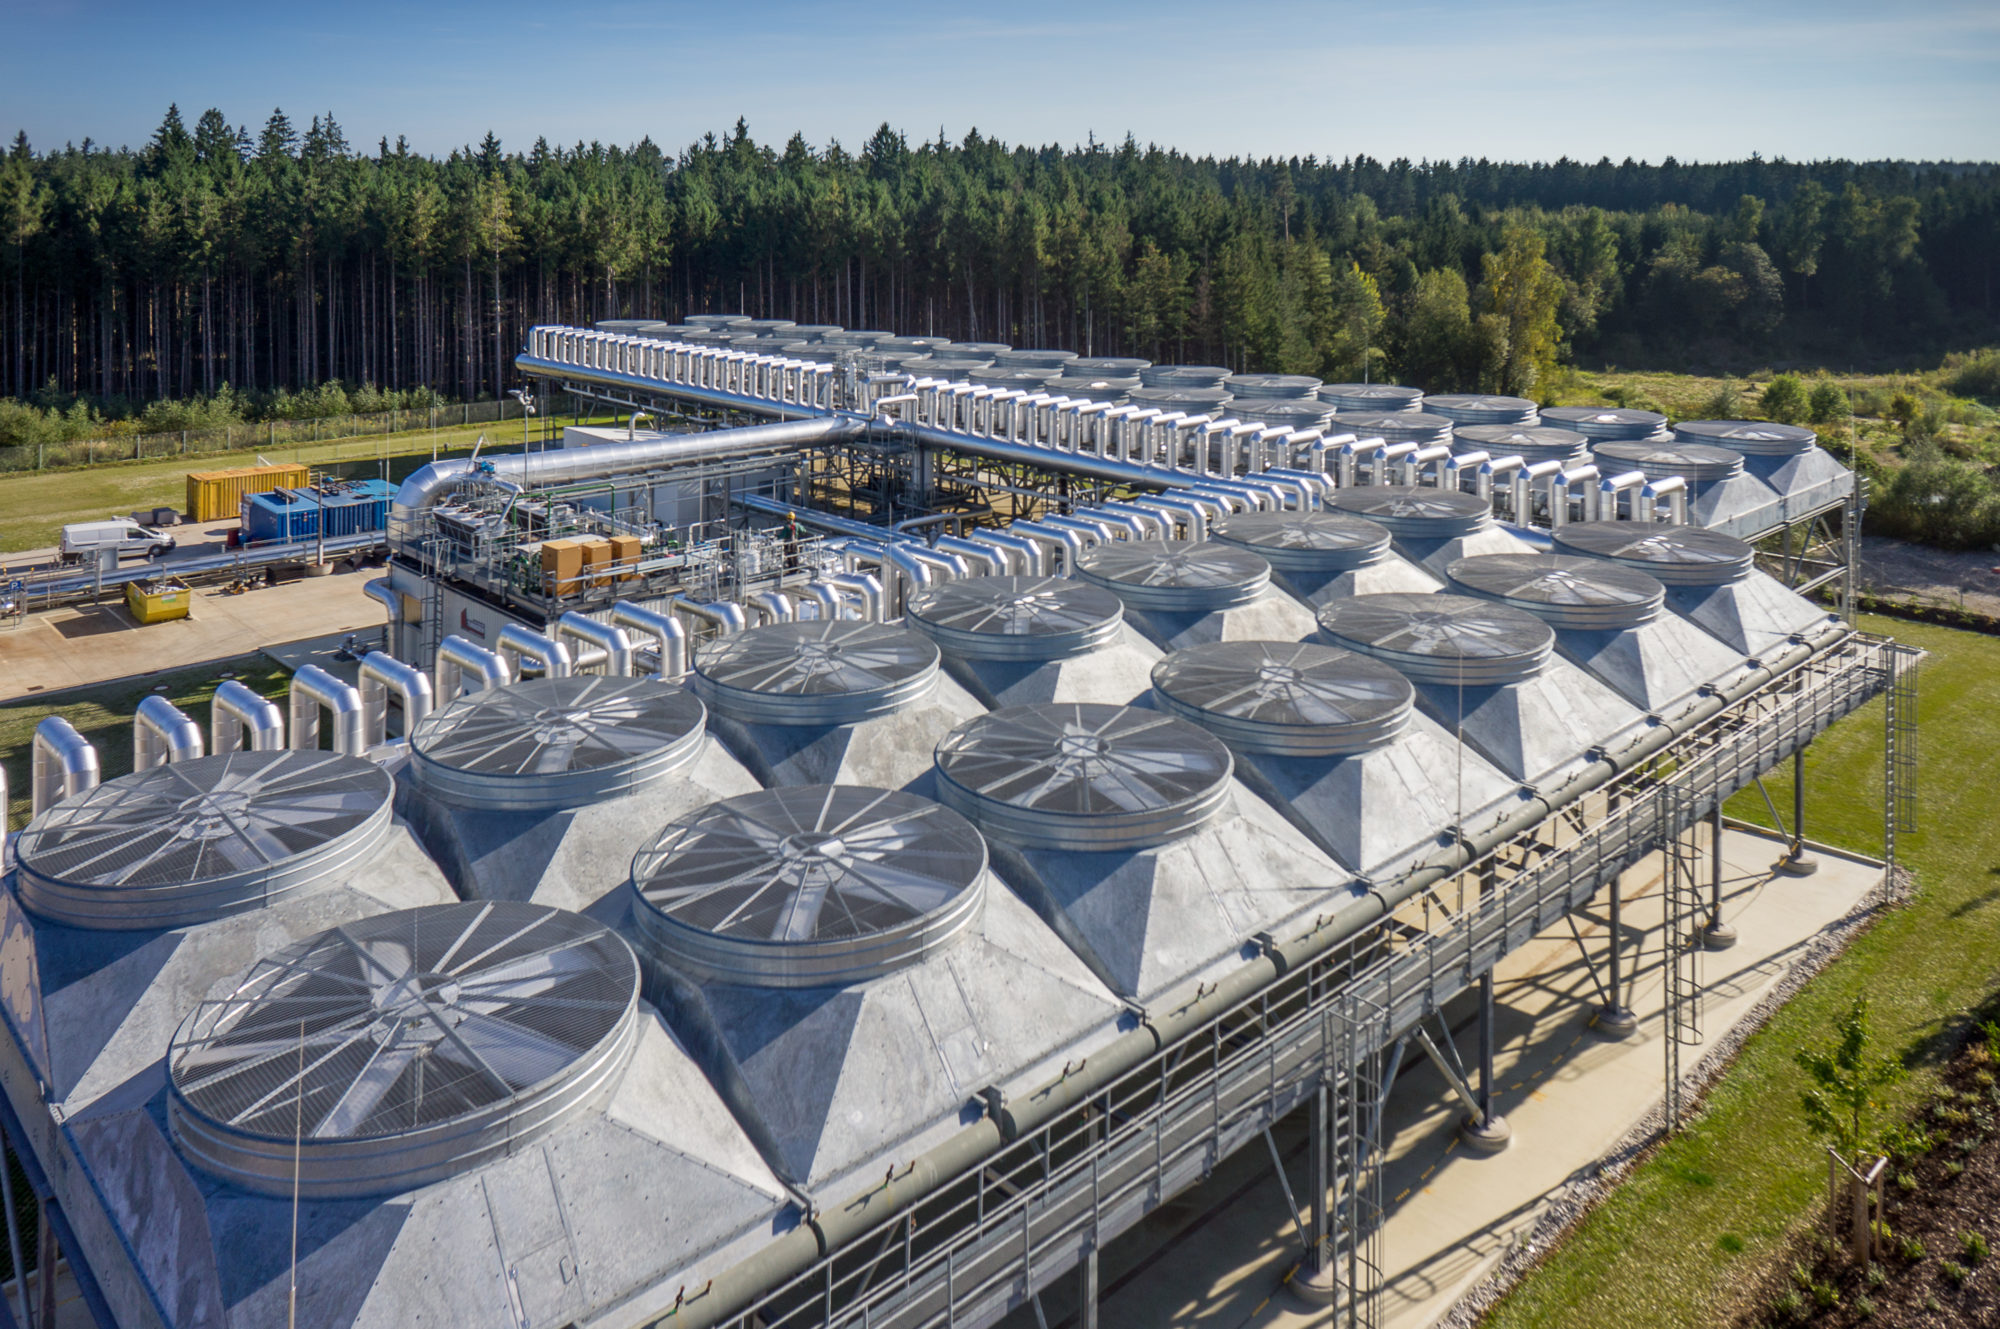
point(157, 601)
point(218, 495)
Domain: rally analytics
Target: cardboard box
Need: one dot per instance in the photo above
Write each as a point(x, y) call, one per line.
point(596, 561)
point(625, 556)
point(562, 565)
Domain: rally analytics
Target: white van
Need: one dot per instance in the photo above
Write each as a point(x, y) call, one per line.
point(81, 540)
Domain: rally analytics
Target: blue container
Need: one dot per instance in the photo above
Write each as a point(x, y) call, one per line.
point(294, 516)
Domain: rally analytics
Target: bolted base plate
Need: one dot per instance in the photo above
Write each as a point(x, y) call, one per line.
point(1489, 1138)
point(1616, 1022)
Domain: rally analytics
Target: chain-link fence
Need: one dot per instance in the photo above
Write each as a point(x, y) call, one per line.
point(263, 436)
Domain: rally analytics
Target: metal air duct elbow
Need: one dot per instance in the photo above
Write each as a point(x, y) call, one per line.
point(65, 764)
point(666, 631)
point(237, 714)
point(607, 637)
point(988, 560)
point(1611, 491)
point(459, 659)
point(725, 616)
point(314, 690)
point(771, 607)
point(162, 733)
point(866, 587)
point(1066, 546)
point(381, 675)
point(1668, 493)
point(1027, 551)
point(516, 643)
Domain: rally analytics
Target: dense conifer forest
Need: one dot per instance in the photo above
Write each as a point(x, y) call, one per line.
point(276, 258)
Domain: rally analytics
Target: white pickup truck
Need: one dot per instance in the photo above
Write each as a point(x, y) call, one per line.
point(81, 540)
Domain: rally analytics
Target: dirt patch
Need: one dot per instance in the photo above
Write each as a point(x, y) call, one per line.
point(1970, 580)
point(1941, 1265)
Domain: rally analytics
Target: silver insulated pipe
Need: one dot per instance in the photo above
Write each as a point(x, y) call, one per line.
point(65, 764)
point(381, 675)
point(314, 690)
point(162, 733)
point(238, 717)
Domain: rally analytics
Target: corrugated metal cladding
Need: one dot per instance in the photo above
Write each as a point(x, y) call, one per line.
point(218, 495)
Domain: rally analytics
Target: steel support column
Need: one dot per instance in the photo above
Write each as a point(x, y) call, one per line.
point(1616, 1019)
point(1486, 1131)
point(1716, 934)
point(1086, 1289)
point(1798, 860)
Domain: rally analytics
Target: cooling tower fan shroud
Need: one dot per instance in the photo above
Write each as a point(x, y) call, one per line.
point(193, 841)
point(809, 886)
point(1083, 776)
point(397, 1050)
point(556, 742)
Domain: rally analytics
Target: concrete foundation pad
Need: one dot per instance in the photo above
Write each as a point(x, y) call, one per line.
point(1219, 1254)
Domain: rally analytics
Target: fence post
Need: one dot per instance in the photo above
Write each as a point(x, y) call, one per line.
point(184, 442)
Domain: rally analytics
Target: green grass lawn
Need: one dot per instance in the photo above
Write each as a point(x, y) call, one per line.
point(35, 505)
point(103, 714)
point(1696, 1224)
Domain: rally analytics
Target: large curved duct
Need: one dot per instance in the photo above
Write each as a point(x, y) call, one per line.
point(456, 658)
point(162, 733)
point(314, 690)
point(381, 675)
point(606, 637)
point(237, 713)
point(428, 484)
point(65, 763)
point(665, 630)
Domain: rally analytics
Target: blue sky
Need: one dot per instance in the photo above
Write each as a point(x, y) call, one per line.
point(1424, 78)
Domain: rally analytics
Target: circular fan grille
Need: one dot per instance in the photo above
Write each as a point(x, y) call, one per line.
point(1286, 697)
point(1273, 387)
point(1087, 777)
point(807, 886)
point(1608, 423)
point(196, 840)
point(1755, 437)
point(396, 1050)
point(1415, 510)
point(1307, 541)
point(1396, 426)
point(1183, 376)
point(1105, 366)
point(1698, 462)
point(1181, 576)
point(1675, 555)
point(1528, 442)
point(1472, 409)
point(1564, 592)
point(1441, 638)
point(826, 671)
point(555, 742)
point(1377, 397)
point(1016, 618)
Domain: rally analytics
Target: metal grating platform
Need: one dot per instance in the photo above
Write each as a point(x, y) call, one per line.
point(197, 840)
point(1289, 698)
point(400, 1049)
point(556, 742)
point(1083, 776)
point(817, 885)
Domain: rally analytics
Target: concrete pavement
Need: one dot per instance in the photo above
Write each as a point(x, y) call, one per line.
point(72, 647)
